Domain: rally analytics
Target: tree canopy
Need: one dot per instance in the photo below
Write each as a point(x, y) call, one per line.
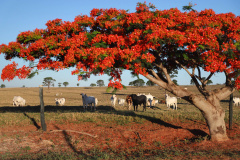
point(65, 84)
point(2, 86)
point(145, 42)
point(48, 81)
point(138, 82)
point(100, 83)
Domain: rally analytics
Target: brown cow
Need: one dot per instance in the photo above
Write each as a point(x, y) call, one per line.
point(129, 101)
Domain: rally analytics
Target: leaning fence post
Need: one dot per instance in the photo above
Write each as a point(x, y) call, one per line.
point(43, 124)
point(230, 111)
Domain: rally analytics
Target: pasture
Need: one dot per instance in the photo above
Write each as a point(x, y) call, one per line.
point(108, 132)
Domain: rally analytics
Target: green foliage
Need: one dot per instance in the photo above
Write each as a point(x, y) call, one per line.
point(138, 82)
point(100, 45)
point(65, 84)
point(109, 89)
point(175, 81)
point(185, 56)
point(150, 83)
point(28, 39)
point(189, 7)
point(100, 83)
point(2, 86)
point(32, 74)
point(91, 35)
point(93, 85)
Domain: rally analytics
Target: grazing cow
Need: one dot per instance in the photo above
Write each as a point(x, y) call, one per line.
point(153, 102)
point(138, 100)
point(113, 100)
point(121, 101)
point(236, 101)
point(18, 101)
point(88, 100)
point(129, 101)
point(60, 101)
point(171, 101)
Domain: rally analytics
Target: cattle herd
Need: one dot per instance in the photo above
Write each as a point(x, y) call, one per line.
point(131, 100)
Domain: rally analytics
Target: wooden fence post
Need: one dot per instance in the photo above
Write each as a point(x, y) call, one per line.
point(43, 124)
point(230, 111)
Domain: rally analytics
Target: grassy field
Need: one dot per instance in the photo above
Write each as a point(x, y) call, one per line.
point(74, 102)
point(72, 112)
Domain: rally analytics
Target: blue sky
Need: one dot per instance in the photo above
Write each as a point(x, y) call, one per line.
point(22, 15)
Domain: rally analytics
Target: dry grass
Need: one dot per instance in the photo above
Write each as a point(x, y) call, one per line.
point(73, 97)
point(73, 107)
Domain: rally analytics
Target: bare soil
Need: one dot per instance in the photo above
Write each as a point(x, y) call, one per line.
point(188, 137)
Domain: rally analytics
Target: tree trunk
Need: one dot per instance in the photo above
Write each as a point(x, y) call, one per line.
point(214, 116)
point(209, 106)
point(216, 125)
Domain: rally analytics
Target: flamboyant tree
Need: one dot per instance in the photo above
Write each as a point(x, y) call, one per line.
point(149, 42)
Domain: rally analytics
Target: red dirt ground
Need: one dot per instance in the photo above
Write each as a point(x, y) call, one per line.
point(87, 135)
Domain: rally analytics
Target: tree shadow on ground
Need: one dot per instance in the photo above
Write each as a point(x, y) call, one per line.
point(36, 109)
point(70, 143)
point(100, 109)
point(195, 132)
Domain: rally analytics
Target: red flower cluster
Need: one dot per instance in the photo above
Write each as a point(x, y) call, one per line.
point(115, 84)
point(10, 71)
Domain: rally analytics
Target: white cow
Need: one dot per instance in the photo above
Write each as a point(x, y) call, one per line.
point(60, 101)
point(18, 101)
point(121, 101)
point(171, 101)
point(236, 101)
point(88, 100)
point(113, 100)
point(149, 99)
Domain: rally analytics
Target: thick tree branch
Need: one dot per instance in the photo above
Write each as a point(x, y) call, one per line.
point(154, 74)
point(159, 73)
point(223, 92)
point(168, 78)
point(156, 81)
